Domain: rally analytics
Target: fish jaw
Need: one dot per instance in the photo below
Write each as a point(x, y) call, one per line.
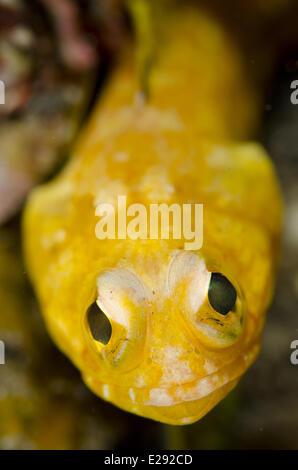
point(181, 404)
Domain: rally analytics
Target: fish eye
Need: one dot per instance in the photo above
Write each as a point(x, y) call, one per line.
point(222, 294)
point(99, 324)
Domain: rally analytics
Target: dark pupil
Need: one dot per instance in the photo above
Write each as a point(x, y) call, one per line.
point(99, 324)
point(222, 294)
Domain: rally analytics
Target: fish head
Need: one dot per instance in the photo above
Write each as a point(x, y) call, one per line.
point(168, 334)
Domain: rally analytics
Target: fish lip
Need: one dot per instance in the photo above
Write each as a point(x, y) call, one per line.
point(204, 386)
point(178, 393)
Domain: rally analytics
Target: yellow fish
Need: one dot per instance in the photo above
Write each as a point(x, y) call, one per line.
point(157, 329)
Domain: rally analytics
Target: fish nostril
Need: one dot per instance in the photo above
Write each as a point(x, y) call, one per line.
point(99, 324)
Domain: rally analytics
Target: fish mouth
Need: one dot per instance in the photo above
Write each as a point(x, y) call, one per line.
point(205, 386)
point(163, 399)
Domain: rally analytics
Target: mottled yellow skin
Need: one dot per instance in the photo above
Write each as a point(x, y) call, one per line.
point(165, 360)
